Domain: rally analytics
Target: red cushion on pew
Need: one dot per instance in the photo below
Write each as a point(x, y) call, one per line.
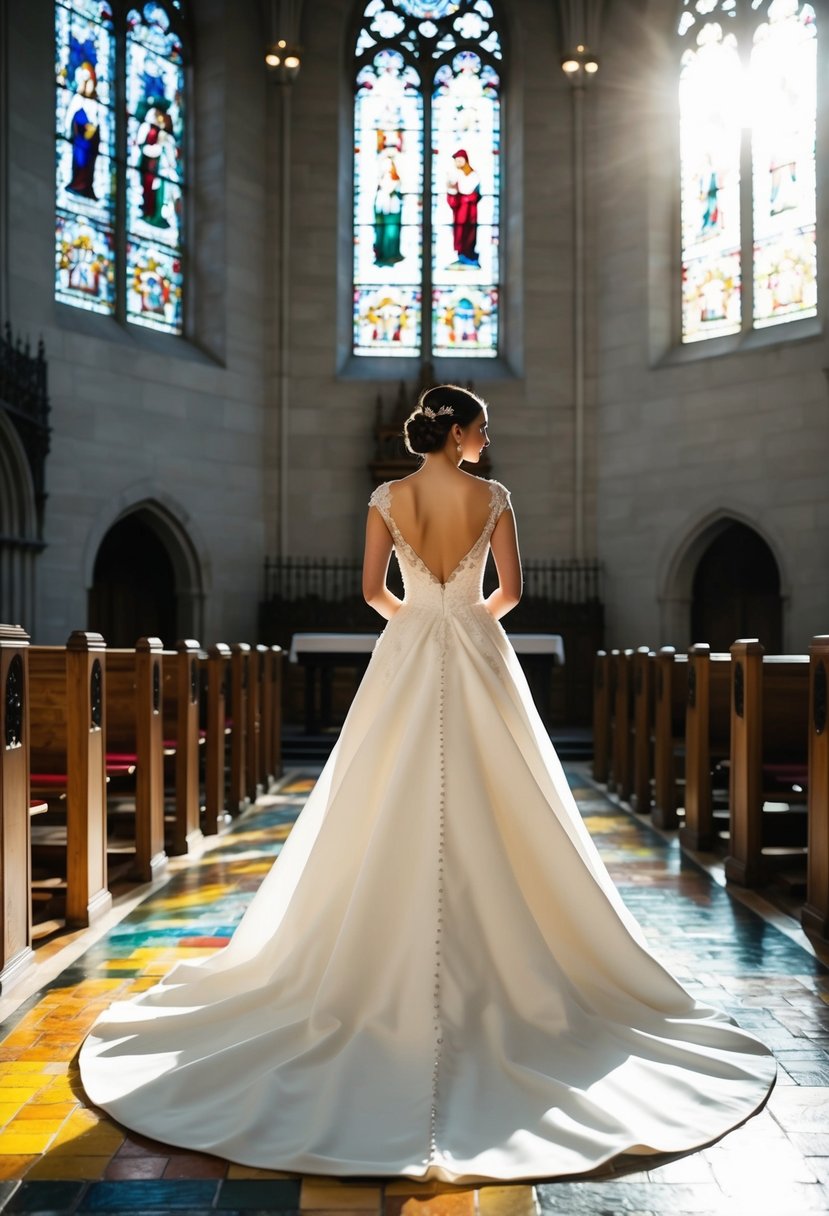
point(121, 758)
point(50, 779)
point(120, 770)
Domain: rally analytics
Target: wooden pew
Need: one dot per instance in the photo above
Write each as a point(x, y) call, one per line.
point(769, 733)
point(814, 915)
point(670, 699)
point(622, 726)
point(15, 852)
point(67, 736)
point(239, 683)
point(707, 742)
point(182, 740)
point(271, 715)
point(601, 716)
point(612, 676)
point(256, 780)
point(215, 796)
point(644, 662)
point(134, 742)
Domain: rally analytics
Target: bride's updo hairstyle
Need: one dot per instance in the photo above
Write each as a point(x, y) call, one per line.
point(438, 409)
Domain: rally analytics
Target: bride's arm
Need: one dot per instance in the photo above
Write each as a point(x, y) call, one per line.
point(375, 566)
point(504, 542)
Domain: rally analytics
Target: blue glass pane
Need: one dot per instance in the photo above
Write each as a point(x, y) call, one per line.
point(85, 149)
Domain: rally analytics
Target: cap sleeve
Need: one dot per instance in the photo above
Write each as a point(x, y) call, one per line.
point(500, 498)
point(380, 500)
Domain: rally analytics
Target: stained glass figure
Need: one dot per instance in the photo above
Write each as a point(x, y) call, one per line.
point(465, 194)
point(783, 96)
point(751, 64)
point(388, 184)
point(710, 115)
point(420, 66)
point(85, 147)
point(155, 174)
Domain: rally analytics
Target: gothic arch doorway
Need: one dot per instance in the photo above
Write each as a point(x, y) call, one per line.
point(146, 580)
point(736, 591)
point(19, 541)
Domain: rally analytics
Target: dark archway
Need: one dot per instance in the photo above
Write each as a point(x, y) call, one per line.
point(736, 591)
point(133, 593)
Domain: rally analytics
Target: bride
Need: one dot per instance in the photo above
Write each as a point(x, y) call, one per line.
point(437, 978)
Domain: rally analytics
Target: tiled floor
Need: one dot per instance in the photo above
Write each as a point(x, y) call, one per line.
point(58, 1156)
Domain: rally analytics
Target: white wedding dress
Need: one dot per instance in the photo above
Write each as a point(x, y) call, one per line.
point(437, 978)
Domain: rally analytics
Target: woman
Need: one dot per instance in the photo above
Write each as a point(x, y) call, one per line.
point(438, 977)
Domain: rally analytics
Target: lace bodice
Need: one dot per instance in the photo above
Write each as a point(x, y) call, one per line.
point(464, 584)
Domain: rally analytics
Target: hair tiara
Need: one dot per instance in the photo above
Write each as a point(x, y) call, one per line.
point(432, 414)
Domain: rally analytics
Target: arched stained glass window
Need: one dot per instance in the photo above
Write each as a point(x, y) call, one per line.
point(783, 106)
point(122, 258)
point(85, 170)
point(426, 227)
point(155, 174)
point(747, 86)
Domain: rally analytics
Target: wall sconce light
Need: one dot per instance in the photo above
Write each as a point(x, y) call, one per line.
point(578, 64)
point(283, 61)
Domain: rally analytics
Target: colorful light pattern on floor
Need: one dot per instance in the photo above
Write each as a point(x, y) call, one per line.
point(59, 1156)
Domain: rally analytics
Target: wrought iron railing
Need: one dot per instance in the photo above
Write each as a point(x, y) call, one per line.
point(333, 580)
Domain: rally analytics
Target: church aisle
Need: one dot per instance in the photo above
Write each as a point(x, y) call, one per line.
point(59, 1156)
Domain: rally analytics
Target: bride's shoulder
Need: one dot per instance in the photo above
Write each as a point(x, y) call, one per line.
point(500, 494)
point(380, 497)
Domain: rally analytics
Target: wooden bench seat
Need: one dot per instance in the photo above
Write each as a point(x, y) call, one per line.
point(769, 749)
point(134, 742)
point(602, 714)
point(670, 700)
point(66, 734)
point(623, 725)
point(182, 741)
point(240, 676)
point(707, 747)
point(644, 679)
point(814, 915)
point(15, 825)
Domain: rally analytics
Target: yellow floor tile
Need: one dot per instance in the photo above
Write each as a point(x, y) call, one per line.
point(54, 1111)
point(516, 1200)
point(54, 1167)
point(317, 1196)
point(410, 1186)
point(8, 1110)
point(19, 1068)
point(20, 1038)
point(15, 1167)
point(456, 1203)
point(17, 1094)
point(93, 1144)
point(21, 1143)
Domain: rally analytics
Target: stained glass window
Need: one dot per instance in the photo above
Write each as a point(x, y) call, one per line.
point(783, 95)
point(747, 65)
point(710, 133)
point(133, 268)
point(85, 148)
point(426, 228)
point(155, 169)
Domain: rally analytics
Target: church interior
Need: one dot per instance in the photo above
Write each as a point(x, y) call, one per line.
point(238, 238)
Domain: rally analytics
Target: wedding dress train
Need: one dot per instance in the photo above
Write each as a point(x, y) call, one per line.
point(437, 978)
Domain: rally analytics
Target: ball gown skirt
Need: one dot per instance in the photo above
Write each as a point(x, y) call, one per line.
point(437, 978)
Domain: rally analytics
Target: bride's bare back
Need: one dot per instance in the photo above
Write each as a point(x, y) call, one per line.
point(440, 518)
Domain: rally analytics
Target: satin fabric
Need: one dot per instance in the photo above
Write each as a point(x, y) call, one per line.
point(438, 977)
